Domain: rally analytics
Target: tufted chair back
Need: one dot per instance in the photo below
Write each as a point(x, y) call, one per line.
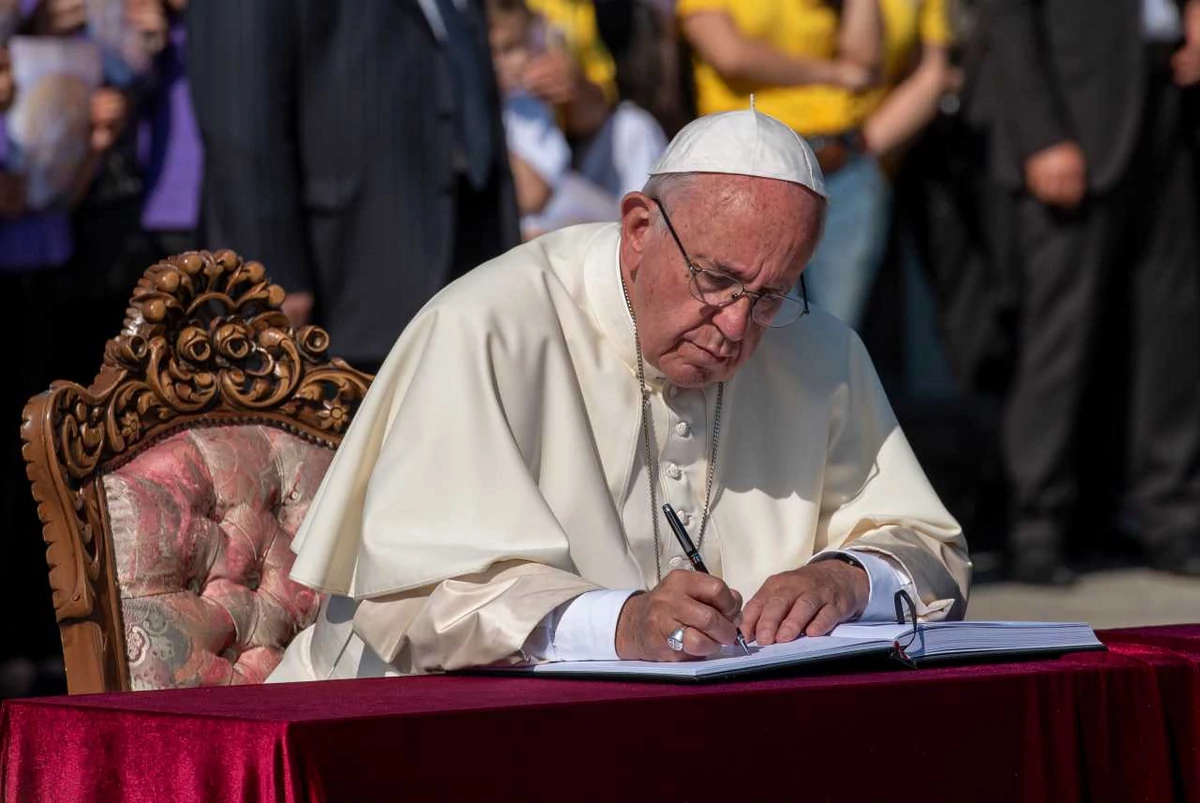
point(170, 489)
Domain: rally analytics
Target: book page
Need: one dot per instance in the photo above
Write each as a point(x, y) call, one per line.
point(731, 660)
point(931, 640)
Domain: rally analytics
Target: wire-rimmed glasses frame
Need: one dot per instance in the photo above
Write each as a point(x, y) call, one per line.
point(905, 609)
point(772, 310)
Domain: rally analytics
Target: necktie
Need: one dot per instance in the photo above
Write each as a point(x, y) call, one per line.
point(470, 103)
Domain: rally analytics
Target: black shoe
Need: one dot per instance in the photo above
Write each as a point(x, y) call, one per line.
point(1176, 555)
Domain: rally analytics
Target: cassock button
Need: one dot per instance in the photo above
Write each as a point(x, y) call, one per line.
point(674, 472)
point(678, 562)
point(682, 429)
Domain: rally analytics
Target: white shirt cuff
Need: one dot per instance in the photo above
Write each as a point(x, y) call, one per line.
point(884, 575)
point(581, 629)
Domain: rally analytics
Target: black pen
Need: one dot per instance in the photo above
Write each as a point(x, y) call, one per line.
point(693, 554)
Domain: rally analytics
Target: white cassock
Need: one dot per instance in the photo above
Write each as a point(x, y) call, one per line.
point(496, 471)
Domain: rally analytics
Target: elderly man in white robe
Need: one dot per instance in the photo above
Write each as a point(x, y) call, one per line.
point(497, 498)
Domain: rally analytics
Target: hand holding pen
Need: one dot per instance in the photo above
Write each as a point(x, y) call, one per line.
point(686, 616)
point(693, 555)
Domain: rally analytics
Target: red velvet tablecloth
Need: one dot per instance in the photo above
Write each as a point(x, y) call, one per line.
point(1120, 725)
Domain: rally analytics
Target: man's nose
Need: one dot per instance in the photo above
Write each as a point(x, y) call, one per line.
point(734, 319)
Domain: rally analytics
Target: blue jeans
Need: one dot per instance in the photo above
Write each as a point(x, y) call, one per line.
point(842, 271)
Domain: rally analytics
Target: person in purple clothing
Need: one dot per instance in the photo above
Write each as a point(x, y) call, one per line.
point(170, 151)
point(39, 307)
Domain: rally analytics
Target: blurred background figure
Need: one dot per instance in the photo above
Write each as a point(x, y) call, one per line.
point(801, 60)
point(915, 76)
point(621, 154)
point(564, 177)
point(537, 150)
point(54, 295)
point(1086, 131)
point(355, 149)
point(169, 151)
point(653, 63)
point(572, 69)
point(939, 317)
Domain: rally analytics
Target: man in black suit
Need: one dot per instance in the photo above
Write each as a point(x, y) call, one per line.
point(1083, 105)
point(355, 148)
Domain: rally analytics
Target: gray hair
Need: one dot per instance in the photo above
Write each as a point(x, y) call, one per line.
point(670, 187)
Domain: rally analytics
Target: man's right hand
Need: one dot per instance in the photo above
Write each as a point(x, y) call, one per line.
point(851, 75)
point(707, 608)
point(298, 308)
point(1057, 176)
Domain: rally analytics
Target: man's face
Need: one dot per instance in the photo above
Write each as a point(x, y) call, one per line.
point(760, 231)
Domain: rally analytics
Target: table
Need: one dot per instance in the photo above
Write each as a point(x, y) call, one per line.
point(1101, 726)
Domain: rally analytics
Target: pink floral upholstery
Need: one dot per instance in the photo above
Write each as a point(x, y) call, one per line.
point(202, 525)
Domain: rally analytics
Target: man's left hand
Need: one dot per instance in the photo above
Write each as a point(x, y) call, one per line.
point(1185, 64)
point(811, 600)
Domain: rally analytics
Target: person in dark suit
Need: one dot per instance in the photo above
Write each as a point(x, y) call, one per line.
point(1083, 109)
point(355, 148)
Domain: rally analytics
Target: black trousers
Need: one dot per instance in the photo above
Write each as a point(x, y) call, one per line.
point(1108, 324)
point(477, 232)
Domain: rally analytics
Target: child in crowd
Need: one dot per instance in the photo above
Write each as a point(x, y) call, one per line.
point(558, 185)
point(538, 150)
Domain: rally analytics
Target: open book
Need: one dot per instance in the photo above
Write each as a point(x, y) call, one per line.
point(932, 641)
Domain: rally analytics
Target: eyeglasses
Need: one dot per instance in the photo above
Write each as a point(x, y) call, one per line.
point(718, 289)
point(900, 646)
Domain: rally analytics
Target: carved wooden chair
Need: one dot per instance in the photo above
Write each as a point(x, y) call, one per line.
point(170, 489)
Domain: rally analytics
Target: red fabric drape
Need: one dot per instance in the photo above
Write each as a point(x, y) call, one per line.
point(1116, 726)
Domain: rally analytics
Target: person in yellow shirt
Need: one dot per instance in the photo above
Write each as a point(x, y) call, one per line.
point(916, 74)
point(803, 60)
point(796, 56)
point(575, 71)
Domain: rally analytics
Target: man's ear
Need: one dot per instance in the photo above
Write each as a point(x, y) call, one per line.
point(635, 220)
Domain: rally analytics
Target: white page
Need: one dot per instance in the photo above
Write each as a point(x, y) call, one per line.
point(730, 660)
point(933, 639)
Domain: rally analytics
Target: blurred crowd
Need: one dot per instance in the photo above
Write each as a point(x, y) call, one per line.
point(1011, 226)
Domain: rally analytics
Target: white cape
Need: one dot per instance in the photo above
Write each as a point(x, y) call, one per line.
point(499, 449)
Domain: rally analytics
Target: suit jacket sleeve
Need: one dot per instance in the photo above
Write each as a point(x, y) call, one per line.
point(1034, 112)
point(243, 67)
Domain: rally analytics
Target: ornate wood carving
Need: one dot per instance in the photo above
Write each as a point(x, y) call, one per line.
point(204, 342)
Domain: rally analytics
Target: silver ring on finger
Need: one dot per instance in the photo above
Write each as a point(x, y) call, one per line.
point(675, 640)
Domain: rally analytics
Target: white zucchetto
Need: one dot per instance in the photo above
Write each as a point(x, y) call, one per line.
point(744, 143)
